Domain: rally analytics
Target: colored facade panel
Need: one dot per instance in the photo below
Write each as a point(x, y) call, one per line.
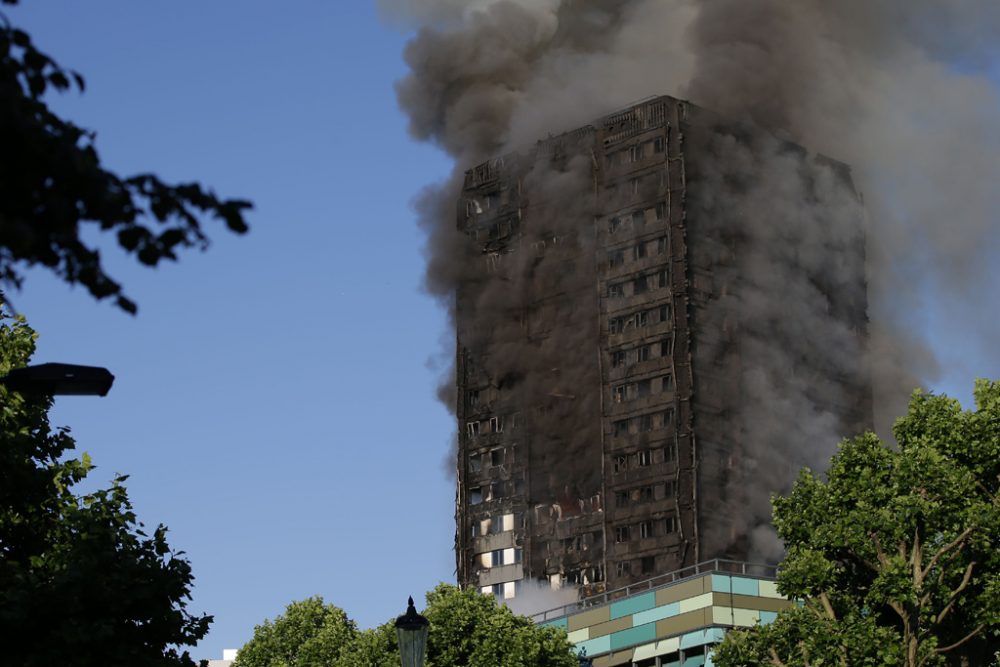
point(681, 591)
point(699, 602)
point(589, 618)
point(701, 637)
point(722, 583)
point(640, 627)
point(764, 604)
point(558, 623)
point(769, 589)
point(746, 618)
point(596, 646)
point(633, 636)
point(745, 586)
point(610, 627)
point(632, 605)
point(656, 614)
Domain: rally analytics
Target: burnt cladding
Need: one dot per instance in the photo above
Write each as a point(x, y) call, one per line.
point(637, 362)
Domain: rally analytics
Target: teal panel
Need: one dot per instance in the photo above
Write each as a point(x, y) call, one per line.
point(694, 661)
point(675, 663)
point(742, 586)
point(767, 617)
point(632, 605)
point(721, 583)
point(708, 661)
point(596, 646)
point(698, 638)
point(640, 635)
point(656, 614)
point(558, 623)
point(715, 635)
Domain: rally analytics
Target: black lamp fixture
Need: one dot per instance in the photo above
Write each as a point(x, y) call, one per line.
point(411, 630)
point(60, 380)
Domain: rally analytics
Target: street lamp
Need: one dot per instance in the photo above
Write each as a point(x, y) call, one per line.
point(60, 380)
point(411, 629)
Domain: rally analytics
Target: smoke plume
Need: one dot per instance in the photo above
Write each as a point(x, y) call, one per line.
point(900, 90)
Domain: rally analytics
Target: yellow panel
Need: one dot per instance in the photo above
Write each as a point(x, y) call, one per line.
point(722, 615)
point(746, 617)
point(699, 602)
point(769, 589)
point(579, 636)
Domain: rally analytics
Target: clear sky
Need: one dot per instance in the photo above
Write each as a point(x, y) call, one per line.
point(273, 404)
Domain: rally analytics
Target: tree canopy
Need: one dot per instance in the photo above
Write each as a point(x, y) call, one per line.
point(895, 553)
point(52, 184)
point(82, 581)
point(467, 629)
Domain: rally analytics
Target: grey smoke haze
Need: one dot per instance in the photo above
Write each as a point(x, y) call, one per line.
point(898, 89)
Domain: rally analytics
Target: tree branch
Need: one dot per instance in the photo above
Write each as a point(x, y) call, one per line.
point(958, 591)
point(961, 641)
point(948, 547)
point(775, 660)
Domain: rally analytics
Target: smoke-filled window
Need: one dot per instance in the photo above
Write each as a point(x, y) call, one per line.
point(645, 529)
point(621, 534)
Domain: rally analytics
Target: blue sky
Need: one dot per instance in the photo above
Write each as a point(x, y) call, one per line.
point(273, 403)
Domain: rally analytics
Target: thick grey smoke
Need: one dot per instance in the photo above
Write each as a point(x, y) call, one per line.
point(897, 89)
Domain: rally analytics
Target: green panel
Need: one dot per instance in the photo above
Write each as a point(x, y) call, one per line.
point(558, 623)
point(767, 617)
point(743, 586)
point(694, 661)
point(633, 636)
point(633, 605)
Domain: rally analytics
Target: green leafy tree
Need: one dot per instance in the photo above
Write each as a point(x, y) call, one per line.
point(81, 581)
point(471, 629)
point(309, 634)
point(467, 629)
point(52, 183)
point(895, 553)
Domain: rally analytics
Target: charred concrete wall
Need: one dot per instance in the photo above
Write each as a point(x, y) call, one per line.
point(617, 396)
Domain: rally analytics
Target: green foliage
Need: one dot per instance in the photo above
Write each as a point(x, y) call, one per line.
point(467, 629)
point(895, 552)
point(81, 581)
point(52, 182)
point(309, 634)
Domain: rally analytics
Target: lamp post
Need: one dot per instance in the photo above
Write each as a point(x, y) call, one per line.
point(60, 380)
point(411, 630)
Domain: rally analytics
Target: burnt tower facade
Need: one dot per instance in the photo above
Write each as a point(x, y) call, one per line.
point(663, 316)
